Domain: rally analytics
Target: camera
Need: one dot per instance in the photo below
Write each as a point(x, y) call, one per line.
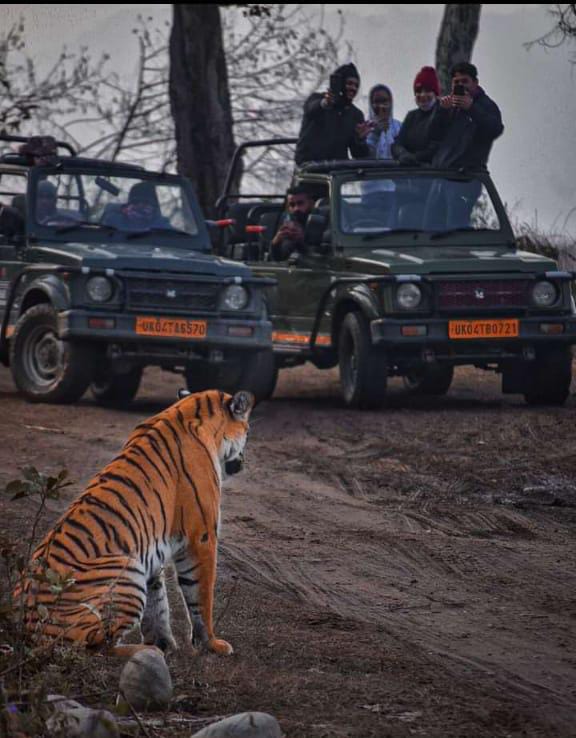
point(459, 90)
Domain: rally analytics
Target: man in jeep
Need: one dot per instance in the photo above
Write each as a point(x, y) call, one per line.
point(290, 234)
point(332, 125)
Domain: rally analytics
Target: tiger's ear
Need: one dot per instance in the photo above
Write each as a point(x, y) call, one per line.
point(182, 393)
point(241, 405)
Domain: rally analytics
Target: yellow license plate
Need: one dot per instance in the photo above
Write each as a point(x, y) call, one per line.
point(481, 329)
point(171, 327)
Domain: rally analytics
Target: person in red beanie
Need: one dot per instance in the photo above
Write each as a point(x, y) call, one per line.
point(423, 128)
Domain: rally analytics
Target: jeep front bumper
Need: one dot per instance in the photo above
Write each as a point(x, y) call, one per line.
point(121, 328)
point(414, 335)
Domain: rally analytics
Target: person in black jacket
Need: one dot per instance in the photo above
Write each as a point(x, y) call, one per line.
point(332, 125)
point(475, 122)
point(423, 128)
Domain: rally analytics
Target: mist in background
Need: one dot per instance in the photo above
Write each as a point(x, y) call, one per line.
point(533, 163)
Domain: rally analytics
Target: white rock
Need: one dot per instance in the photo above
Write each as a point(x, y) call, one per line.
point(145, 681)
point(244, 725)
point(81, 722)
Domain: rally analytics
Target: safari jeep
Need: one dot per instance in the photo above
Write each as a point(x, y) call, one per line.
point(106, 268)
point(407, 272)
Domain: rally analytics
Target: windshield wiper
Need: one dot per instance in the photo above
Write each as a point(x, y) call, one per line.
point(465, 229)
point(171, 231)
point(81, 224)
point(393, 232)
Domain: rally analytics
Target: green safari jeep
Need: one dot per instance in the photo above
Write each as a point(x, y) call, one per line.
point(406, 272)
point(106, 268)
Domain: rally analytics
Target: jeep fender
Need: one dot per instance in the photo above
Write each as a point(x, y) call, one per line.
point(359, 298)
point(48, 288)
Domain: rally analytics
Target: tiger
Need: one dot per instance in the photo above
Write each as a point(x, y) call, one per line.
point(101, 570)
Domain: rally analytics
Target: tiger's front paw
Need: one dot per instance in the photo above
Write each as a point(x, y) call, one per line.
point(222, 648)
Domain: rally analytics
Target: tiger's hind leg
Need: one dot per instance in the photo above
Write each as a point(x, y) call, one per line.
point(155, 624)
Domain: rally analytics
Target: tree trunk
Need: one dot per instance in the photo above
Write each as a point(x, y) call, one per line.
point(456, 40)
point(200, 100)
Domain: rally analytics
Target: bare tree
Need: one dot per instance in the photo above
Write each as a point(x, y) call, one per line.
point(456, 39)
point(69, 86)
point(563, 30)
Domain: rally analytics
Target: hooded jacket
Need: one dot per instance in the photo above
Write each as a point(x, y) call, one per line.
point(379, 140)
point(329, 133)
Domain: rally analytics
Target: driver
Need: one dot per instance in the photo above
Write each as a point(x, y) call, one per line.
point(141, 212)
point(46, 196)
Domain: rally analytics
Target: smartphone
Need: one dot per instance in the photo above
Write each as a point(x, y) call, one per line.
point(337, 87)
point(459, 90)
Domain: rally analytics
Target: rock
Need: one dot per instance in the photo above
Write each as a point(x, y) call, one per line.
point(145, 681)
point(71, 720)
point(243, 725)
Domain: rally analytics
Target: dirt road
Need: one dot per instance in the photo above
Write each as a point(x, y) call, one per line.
point(405, 572)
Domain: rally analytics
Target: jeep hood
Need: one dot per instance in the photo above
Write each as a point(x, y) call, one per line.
point(139, 257)
point(444, 260)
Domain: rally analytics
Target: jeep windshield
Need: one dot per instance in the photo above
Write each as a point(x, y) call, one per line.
point(431, 208)
point(84, 206)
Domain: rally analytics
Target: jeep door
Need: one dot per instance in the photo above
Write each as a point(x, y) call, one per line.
point(11, 245)
point(294, 302)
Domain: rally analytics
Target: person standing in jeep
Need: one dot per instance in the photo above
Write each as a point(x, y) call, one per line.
point(332, 125)
point(475, 123)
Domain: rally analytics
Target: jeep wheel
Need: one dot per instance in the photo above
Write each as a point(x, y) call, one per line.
point(363, 369)
point(116, 390)
point(258, 374)
point(429, 380)
point(255, 372)
point(549, 376)
point(46, 369)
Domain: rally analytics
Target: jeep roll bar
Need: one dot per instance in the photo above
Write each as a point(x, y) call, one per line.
point(25, 139)
point(238, 153)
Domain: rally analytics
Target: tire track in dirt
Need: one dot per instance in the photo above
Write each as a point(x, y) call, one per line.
point(360, 529)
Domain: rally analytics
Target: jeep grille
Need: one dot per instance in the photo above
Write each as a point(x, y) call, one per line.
point(486, 293)
point(168, 296)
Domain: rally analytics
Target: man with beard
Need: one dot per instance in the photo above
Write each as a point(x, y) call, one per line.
point(332, 125)
point(290, 234)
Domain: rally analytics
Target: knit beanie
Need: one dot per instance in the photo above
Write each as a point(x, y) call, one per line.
point(428, 79)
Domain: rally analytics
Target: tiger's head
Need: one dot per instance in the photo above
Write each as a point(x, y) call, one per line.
point(233, 432)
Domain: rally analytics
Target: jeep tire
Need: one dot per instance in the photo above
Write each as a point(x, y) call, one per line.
point(253, 371)
point(45, 368)
point(429, 380)
point(549, 376)
point(363, 368)
point(116, 390)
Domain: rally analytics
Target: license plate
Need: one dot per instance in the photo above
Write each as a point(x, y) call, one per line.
point(171, 327)
point(461, 329)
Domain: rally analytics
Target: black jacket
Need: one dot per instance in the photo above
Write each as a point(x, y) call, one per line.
point(421, 134)
point(328, 133)
point(470, 135)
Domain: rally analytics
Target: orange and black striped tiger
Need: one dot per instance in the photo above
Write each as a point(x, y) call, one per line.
point(158, 500)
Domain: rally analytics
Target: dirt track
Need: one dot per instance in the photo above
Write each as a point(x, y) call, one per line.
point(406, 572)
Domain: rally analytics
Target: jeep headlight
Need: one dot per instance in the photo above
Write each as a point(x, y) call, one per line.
point(99, 289)
point(408, 296)
point(544, 293)
point(235, 297)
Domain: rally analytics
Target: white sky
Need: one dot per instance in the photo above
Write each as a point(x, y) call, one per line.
point(533, 163)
